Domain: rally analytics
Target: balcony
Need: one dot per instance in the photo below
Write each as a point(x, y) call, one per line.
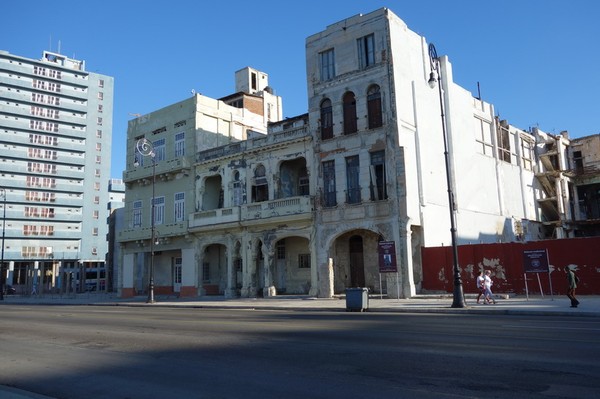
point(162, 232)
point(213, 217)
point(167, 169)
point(293, 208)
point(275, 211)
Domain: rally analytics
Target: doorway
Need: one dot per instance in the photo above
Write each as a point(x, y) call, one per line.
point(356, 258)
point(177, 275)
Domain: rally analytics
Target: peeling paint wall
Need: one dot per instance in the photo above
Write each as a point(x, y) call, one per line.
point(506, 264)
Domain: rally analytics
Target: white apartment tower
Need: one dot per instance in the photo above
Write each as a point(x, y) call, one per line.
point(55, 153)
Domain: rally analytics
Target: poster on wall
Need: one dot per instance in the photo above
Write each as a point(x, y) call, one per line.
point(535, 261)
point(387, 257)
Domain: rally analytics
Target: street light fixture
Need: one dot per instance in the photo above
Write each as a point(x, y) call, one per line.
point(458, 298)
point(145, 148)
point(2, 272)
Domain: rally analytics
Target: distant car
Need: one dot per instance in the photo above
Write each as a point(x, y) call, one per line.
point(9, 290)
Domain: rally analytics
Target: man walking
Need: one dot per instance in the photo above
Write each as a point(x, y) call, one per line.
point(572, 281)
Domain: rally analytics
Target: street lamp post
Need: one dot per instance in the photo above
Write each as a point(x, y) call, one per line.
point(2, 272)
point(145, 148)
point(458, 300)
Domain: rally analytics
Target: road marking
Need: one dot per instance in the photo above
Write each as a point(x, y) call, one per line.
point(554, 327)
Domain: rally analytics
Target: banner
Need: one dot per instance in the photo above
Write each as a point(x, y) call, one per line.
point(535, 261)
point(387, 257)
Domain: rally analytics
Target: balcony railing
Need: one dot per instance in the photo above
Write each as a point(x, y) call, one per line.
point(214, 216)
point(167, 167)
point(286, 208)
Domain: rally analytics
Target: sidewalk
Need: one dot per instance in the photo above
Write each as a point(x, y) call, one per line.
point(505, 304)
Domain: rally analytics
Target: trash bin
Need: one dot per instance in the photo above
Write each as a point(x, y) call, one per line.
point(357, 299)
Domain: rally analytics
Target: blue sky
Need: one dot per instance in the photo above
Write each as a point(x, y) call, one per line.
point(535, 60)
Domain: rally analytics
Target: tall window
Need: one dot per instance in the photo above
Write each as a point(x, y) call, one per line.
point(505, 137)
point(349, 113)
point(377, 174)
point(280, 249)
point(159, 210)
point(527, 153)
point(329, 193)
point(179, 207)
point(577, 157)
point(374, 107)
point(303, 188)
point(180, 144)
point(137, 214)
point(159, 150)
point(352, 178)
point(237, 189)
point(177, 262)
point(483, 136)
point(326, 120)
point(327, 65)
point(366, 51)
point(503, 143)
point(260, 189)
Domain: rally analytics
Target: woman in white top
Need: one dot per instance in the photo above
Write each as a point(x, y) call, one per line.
point(487, 284)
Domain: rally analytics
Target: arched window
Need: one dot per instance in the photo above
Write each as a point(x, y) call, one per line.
point(349, 113)
point(326, 120)
point(374, 107)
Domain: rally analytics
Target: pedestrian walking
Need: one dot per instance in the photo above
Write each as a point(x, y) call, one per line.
point(480, 286)
point(487, 285)
point(572, 281)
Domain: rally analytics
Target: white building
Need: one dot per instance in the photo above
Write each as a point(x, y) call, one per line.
point(381, 143)
point(55, 151)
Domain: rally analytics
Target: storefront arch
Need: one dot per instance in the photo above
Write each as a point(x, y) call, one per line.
point(355, 260)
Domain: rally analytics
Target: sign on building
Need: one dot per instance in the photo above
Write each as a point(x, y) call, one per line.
point(387, 257)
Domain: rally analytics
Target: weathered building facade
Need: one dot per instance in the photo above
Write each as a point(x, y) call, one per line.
point(164, 190)
point(300, 206)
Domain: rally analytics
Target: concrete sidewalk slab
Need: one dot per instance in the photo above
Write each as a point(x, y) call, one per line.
point(505, 304)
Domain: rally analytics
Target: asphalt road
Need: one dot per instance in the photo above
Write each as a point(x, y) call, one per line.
point(144, 352)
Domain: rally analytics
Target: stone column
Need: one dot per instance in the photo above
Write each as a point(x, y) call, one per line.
point(188, 273)
point(126, 287)
point(230, 288)
point(248, 287)
point(199, 255)
point(268, 264)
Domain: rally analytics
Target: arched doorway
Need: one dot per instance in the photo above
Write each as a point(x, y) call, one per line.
point(356, 261)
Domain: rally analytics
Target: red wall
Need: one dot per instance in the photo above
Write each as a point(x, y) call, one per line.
point(506, 263)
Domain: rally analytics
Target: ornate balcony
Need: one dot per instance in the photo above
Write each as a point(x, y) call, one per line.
point(285, 209)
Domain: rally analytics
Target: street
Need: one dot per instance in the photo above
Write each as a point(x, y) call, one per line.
point(70, 352)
